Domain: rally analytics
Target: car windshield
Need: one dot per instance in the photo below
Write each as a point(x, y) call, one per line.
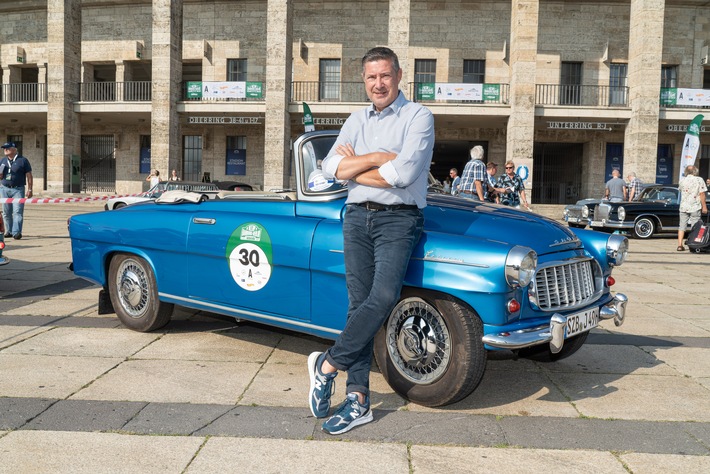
point(313, 152)
point(659, 194)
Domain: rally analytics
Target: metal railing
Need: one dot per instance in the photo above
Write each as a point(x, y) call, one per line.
point(315, 91)
point(31, 92)
point(130, 91)
point(583, 96)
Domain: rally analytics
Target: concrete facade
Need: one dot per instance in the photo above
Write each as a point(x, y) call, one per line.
point(565, 141)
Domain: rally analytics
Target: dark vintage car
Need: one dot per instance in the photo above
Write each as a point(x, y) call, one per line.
point(482, 277)
point(580, 214)
point(655, 212)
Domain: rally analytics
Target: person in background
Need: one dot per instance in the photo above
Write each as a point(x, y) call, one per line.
point(513, 188)
point(455, 181)
point(15, 173)
point(615, 188)
point(384, 152)
point(634, 187)
point(447, 185)
point(492, 193)
point(474, 179)
point(692, 201)
point(174, 176)
point(153, 178)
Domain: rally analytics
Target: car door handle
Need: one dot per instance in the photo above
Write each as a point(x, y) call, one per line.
point(204, 220)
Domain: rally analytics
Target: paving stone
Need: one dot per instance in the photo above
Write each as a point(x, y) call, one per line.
point(91, 453)
point(512, 461)
point(174, 418)
point(643, 463)
point(272, 455)
point(603, 435)
point(268, 422)
point(85, 415)
point(16, 412)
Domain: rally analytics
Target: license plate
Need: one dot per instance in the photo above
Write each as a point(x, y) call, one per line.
point(597, 224)
point(581, 322)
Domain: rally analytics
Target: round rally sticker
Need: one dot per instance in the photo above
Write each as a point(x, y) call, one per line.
point(249, 256)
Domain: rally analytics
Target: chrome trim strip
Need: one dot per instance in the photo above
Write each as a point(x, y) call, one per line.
point(566, 242)
point(251, 314)
point(435, 259)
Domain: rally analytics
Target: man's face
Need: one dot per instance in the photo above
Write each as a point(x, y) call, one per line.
point(492, 171)
point(9, 151)
point(381, 82)
point(452, 173)
point(509, 170)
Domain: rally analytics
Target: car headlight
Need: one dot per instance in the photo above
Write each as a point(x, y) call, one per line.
point(617, 248)
point(520, 265)
point(585, 212)
point(622, 213)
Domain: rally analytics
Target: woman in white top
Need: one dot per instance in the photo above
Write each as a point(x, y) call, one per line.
point(174, 176)
point(154, 178)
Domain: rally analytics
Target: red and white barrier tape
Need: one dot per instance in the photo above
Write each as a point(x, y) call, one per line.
point(62, 200)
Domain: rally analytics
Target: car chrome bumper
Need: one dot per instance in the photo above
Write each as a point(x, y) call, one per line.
point(577, 220)
point(612, 225)
point(554, 333)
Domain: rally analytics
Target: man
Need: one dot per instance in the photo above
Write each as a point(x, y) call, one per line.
point(634, 189)
point(492, 192)
point(384, 152)
point(513, 188)
point(692, 201)
point(474, 176)
point(455, 181)
point(15, 171)
point(615, 189)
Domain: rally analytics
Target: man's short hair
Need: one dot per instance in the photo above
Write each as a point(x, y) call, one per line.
point(491, 165)
point(454, 170)
point(631, 174)
point(477, 152)
point(510, 163)
point(615, 173)
point(380, 53)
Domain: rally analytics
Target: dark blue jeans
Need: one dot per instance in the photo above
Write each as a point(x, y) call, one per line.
point(378, 245)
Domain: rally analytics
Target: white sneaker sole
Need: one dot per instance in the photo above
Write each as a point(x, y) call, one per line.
point(366, 418)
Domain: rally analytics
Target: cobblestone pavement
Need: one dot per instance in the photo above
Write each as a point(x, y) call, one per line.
point(80, 393)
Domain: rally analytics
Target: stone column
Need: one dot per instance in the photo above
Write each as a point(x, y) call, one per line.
point(165, 144)
point(398, 37)
point(522, 59)
point(63, 77)
point(645, 58)
point(277, 127)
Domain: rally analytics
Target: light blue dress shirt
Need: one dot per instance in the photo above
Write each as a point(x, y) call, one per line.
point(405, 128)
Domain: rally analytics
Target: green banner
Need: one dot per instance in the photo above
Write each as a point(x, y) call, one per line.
point(491, 92)
point(308, 118)
point(194, 90)
point(255, 90)
point(669, 96)
point(426, 91)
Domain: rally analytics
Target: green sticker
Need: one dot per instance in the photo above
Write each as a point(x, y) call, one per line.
point(250, 256)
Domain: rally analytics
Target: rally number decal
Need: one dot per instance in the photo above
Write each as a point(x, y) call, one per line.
point(249, 255)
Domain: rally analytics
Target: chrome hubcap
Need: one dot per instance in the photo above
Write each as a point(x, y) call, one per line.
point(418, 341)
point(132, 288)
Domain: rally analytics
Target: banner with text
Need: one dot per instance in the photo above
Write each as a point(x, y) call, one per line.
point(224, 90)
point(458, 91)
point(679, 96)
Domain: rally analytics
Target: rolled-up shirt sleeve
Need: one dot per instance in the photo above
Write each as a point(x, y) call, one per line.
point(414, 155)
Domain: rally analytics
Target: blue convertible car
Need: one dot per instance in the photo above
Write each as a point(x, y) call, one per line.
point(483, 277)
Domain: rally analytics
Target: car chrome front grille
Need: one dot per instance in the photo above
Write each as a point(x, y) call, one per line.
point(601, 212)
point(564, 286)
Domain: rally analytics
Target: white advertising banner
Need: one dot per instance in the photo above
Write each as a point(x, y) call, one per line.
point(451, 91)
point(696, 97)
point(221, 90)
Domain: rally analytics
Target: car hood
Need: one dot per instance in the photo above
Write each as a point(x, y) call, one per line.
point(496, 223)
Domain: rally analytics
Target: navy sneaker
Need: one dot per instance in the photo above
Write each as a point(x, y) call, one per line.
point(349, 415)
point(322, 386)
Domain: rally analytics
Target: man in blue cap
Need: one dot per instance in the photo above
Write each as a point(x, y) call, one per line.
point(15, 172)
